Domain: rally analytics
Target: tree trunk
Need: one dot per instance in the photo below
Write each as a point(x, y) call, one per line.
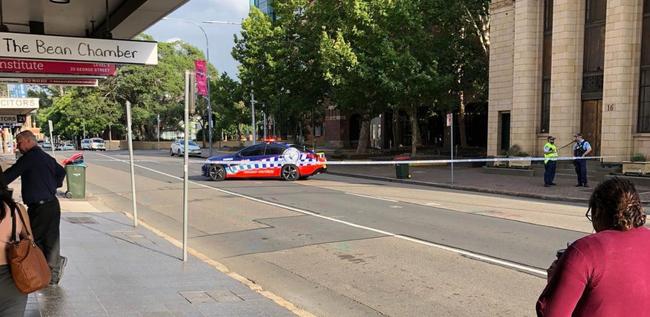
point(397, 137)
point(415, 131)
point(203, 132)
point(461, 120)
point(364, 136)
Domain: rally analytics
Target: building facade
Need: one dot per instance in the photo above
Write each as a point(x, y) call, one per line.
point(265, 6)
point(558, 67)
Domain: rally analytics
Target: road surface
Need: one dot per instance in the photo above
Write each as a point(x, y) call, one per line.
point(338, 246)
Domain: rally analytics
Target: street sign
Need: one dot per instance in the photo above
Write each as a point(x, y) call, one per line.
point(8, 119)
point(50, 67)
point(84, 82)
point(450, 118)
point(19, 103)
point(64, 48)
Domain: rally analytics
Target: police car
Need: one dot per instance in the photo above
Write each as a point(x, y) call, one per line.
point(266, 160)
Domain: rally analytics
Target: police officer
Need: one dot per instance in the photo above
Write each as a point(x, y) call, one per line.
point(581, 149)
point(550, 161)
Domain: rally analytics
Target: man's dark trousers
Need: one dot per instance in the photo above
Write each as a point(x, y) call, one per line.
point(45, 219)
point(581, 171)
point(549, 172)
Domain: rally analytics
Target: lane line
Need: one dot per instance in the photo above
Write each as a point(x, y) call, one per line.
point(482, 257)
point(372, 197)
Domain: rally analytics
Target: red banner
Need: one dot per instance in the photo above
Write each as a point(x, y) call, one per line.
point(64, 68)
point(201, 78)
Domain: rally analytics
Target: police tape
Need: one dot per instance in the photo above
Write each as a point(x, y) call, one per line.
point(413, 162)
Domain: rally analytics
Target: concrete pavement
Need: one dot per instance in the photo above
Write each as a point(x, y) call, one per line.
point(117, 270)
point(327, 262)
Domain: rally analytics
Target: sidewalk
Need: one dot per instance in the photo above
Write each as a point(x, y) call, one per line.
point(474, 179)
point(117, 270)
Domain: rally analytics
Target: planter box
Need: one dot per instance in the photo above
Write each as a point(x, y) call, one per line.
point(524, 162)
point(500, 163)
point(636, 168)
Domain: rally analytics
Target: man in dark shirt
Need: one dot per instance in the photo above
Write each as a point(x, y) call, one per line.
point(40, 176)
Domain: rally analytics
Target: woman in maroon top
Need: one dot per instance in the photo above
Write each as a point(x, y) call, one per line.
point(606, 273)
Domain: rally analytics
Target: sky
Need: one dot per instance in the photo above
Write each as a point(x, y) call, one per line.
point(220, 36)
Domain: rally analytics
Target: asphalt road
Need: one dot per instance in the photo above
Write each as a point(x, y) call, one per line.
point(350, 247)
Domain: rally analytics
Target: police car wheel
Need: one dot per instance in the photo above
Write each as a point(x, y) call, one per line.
point(171, 152)
point(217, 173)
point(290, 173)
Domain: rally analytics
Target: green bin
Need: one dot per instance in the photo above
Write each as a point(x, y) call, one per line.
point(76, 180)
point(402, 171)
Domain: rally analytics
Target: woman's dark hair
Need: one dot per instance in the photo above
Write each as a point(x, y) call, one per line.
point(615, 203)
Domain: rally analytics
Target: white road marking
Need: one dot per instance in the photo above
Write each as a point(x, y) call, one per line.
point(432, 204)
point(373, 197)
point(396, 207)
point(481, 257)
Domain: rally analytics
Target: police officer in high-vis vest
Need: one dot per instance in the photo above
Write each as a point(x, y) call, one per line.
point(550, 161)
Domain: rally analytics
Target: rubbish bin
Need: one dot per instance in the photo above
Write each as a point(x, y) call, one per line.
point(402, 170)
point(76, 180)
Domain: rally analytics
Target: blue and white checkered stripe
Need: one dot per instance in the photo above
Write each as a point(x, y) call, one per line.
point(275, 162)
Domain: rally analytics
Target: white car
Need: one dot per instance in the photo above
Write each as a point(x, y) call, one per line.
point(85, 144)
point(45, 145)
point(65, 147)
point(177, 148)
point(97, 144)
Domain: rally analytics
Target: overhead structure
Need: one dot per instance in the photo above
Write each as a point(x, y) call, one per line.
point(118, 19)
point(71, 42)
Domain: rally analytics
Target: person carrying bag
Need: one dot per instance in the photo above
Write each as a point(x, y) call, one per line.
point(27, 263)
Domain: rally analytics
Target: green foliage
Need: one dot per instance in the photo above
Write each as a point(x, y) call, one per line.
point(638, 157)
point(152, 91)
point(366, 57)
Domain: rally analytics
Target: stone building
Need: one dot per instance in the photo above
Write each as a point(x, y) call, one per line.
point(564, 66)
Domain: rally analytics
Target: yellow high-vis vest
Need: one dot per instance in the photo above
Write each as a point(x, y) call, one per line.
point(550, 152)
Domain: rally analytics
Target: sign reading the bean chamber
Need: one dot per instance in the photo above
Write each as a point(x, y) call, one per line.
point(45, 47)
point(18, 103)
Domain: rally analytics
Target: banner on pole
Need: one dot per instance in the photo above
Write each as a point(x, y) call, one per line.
point(450, 118)
point(201, 77)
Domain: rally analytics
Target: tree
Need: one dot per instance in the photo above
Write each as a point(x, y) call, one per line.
point(228, 104)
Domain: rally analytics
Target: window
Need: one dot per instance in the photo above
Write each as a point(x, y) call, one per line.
point(594, 50)
point(643, 120)
point(274, 150)
point(546, 67)
point(254, 150)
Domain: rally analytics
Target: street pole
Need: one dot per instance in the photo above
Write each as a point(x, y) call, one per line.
point(253, 118)
point(188, 91)
point(264, 113)
point(49, 122)
point(158, 130)
point(207, 75)
point(207, 53)
point(130, 141)
point(452, 148)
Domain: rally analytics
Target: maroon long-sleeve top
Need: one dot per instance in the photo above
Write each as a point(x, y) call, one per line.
point(604, 274)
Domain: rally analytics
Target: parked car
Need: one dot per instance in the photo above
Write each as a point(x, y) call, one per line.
point(176, 148)
point(45, 145)
point(267, 160)
point(64, 146)
point(97, 144)
point(85, 144)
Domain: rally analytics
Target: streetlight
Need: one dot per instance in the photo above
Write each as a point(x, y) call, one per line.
point(207, 49)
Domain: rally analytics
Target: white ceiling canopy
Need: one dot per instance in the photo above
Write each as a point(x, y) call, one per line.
point(86, 18)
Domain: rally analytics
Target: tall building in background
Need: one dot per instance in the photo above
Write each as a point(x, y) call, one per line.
point(265, 6)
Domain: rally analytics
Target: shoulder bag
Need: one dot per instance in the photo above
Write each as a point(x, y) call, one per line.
point(27, 263)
